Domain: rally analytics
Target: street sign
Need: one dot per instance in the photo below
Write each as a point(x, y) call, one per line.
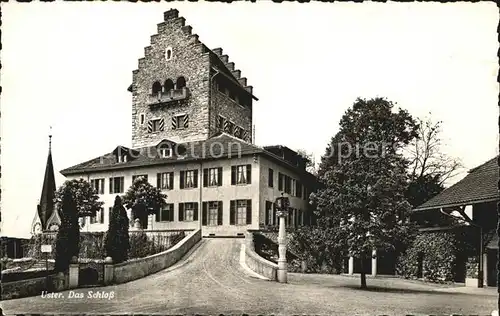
point(46, 248)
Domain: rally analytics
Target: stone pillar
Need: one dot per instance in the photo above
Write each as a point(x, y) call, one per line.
point(150, 222)
point(374, 262)
point(109, 270)
point(74, 269)
point(351, 266)
point(137, 224)
point(282, 266)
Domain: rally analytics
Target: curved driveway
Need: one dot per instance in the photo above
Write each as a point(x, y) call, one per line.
point(210, 280)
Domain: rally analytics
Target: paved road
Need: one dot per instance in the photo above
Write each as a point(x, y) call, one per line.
point(211, 281)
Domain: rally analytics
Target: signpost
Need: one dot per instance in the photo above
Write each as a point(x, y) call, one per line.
point(46, 249)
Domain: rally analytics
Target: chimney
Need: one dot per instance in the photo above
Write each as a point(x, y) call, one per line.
point(170, 14)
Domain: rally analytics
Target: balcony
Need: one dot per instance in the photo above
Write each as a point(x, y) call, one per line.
point(169, 97)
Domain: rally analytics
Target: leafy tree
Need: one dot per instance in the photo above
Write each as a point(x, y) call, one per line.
point(144, 199)
point(84, 195)
point(311, 162)
point(429, 169)
point(365, 178)
point(117, 239)
point(68, 235)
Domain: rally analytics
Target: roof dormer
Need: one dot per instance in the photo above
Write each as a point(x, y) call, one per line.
point(124, 154)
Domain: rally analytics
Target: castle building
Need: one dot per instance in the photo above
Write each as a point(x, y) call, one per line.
point(192, 138)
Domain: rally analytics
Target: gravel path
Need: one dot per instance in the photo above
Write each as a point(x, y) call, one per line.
point(211, 281)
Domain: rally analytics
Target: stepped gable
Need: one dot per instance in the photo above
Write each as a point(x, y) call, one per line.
point(221, 62)
point(218, 60)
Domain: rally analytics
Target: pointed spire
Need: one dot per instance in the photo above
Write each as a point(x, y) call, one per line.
point(46, 206)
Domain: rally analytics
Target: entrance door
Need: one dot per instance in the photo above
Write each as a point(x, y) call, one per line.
point(492, 267)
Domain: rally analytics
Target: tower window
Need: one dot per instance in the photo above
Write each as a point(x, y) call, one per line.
point(156, 88)
point(141, 120)
point(180, 121)
point(220, 123)
point(169, 85)
point(181, 83)
point(156, 125)
point(168, 53)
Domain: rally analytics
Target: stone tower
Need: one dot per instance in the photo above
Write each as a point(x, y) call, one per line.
point(182, 91)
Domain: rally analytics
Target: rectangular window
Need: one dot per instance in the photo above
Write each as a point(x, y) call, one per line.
point(212, 213)
point(98, 218)
point(212, 177)
point(281, 180)
point(268, 220)
point(122, 158)
point(240, 212)
point(270, 179)
point(299, 189)
point(165, 153)
point(189, 179)
point(288, 186)
point(228, 127)
point(293, 187)
point(98, 185)
point(116, 185)
point(237, 131)
point(188, 212)
point(180, 121)
point(220, 123)
point(306, 194)
point(142, 119)
point(241, 174)
point(166, 214)
point(139, 176)
point(156, 125)
point(165, 181)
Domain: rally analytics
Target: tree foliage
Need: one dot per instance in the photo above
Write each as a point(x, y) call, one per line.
point(365, 178)
point(83, 194)
point(143, 199)
point(117, 240)
point(68, 235)
point(311, 161)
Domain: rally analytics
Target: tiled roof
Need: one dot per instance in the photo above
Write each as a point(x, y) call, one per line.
point(479, 186)
point(222, 146)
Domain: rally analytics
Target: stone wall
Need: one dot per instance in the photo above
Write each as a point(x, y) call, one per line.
point(189, 59)
point(138, 268)
point(258, 264)
point(33, 287)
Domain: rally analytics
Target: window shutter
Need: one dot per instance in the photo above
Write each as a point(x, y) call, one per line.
point(157, 215)
point(158, 180)
point(219, 177)
point(171, 212)
point(219, 213)
point(181, 180)
point(268, 206)
point(270, 180)
point(171, 181)
point(110, 185)
point(102, 186)
point(195, 212)
point(232, 211)
point(195, 180)
point(249, 212)
point(249, 174)
point(280, 181)
point(204, 213)
point(299, 189)
point(205, 177)
point(122, 184)
point(181, 212)
point(102, 215)
point(233, 175)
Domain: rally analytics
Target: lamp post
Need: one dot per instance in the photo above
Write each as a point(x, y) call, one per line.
point(282, 204)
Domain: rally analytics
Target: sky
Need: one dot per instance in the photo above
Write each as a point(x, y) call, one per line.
point(68, 65)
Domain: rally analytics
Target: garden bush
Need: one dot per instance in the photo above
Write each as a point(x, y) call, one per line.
point(438, 253)
point(25, 275)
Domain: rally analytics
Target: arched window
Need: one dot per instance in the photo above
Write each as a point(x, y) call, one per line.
point(156, 87)
point(168, 53)
point(169, 85)
point(181, 83)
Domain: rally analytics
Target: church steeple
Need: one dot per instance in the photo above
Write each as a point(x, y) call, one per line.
point(46, 206)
